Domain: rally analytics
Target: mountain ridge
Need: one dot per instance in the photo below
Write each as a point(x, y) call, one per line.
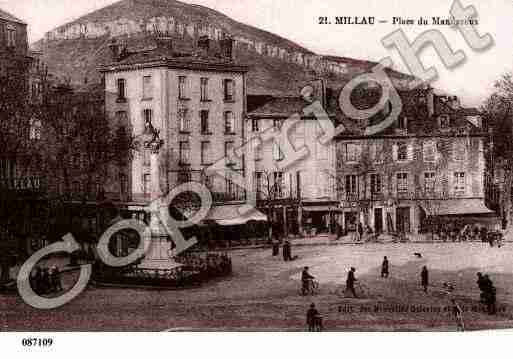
point(74, 50)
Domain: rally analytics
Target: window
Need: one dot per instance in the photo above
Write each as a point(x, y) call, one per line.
point(205, 153)
point(230, 187)
point(255, 125)
point(204, 122)
point(76, 160)
point(278, 184)
point(402, 182)
point(445, 121)
point(147, 88)
point(183, 120)
point(429, 151)
point(182, 87)
point(11, 36)
point(148, 116)
point(258, 151)
point(376, 151)
point(402, 151)
point(459, 182)
point(351, 184)
point(229, 90)
point(228, 152)
point(76, 187)
point(204, 89)
point(277, 123)
point(121, 89)
point(277, 152)
point(258, 184)
point(402, 122)
point(121, 118)
point(35, 129)
point(375, 183)
point(146, 183)
point(229, 122)
point(185, 150)
point(352, 152)
point(429, 182)
point(184, 177)
point(459, 150)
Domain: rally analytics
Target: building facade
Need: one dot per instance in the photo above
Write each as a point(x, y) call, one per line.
point(429, 164)
point(300, 196)
point(195, 101)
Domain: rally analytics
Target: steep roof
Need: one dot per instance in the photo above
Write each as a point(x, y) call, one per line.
point(4, 15)
point(167, 56)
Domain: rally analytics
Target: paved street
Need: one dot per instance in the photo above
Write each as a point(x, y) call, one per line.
point(263, 293)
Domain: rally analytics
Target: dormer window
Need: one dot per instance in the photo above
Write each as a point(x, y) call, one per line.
point(11, 36)
point(445, 121)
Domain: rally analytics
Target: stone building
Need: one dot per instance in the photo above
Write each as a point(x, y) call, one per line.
point(428, 164)
point(194, 103)
point(302, 195)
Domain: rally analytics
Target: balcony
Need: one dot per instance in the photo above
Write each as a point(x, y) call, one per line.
point(30, 184)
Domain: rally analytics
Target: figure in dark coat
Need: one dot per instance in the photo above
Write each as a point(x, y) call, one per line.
point(360, 231)
point(350, 281)
point(384, 268)
point(287, 253)
point(313, 319)
point(424, 278)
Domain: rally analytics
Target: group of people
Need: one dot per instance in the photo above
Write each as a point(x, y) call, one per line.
point(488, 292)
point(46, 280)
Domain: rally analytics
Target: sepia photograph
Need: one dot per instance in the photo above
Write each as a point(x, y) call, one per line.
point(255, 166)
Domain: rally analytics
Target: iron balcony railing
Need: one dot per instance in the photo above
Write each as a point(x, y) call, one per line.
point(23, 184)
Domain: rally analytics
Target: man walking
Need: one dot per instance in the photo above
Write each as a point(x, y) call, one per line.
point(424, 278)
point(458, 315)
point(313, 319)
point(360, 231)
point(384, 268)
point(350, 281)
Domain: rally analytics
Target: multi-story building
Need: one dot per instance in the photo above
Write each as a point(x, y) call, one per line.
point(195, 104)
point(302, 196)
point(428, 164)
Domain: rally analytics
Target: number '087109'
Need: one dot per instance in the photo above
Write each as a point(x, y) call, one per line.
point(37, 342)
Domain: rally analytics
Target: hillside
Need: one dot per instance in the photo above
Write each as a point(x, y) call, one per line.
point(278, 66)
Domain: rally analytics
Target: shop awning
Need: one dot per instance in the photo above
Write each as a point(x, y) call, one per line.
point(464, 206)
point(321, 209)
point(232, 215)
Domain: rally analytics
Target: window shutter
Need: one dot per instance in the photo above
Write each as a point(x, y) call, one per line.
point(358, 152)
point(394, 151)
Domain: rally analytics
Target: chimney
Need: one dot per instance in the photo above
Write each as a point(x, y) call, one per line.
point(430, 101)
point(114, 50)
point(203, 45)
point(455, 102)
point(227, 48)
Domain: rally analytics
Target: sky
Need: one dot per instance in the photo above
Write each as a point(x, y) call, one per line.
point(297, 20)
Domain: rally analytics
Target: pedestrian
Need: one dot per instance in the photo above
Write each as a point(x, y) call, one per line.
point(458, 315)
point(307, 282)
point(360, 231)
point(276, 247)
point(384, 268)
point(490, 295)
point(482, 287)
point(424, 278)
point(350, 281)
point(286, 251)
point(313, 319)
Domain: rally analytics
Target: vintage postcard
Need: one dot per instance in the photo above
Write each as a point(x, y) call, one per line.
point(242, 166)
